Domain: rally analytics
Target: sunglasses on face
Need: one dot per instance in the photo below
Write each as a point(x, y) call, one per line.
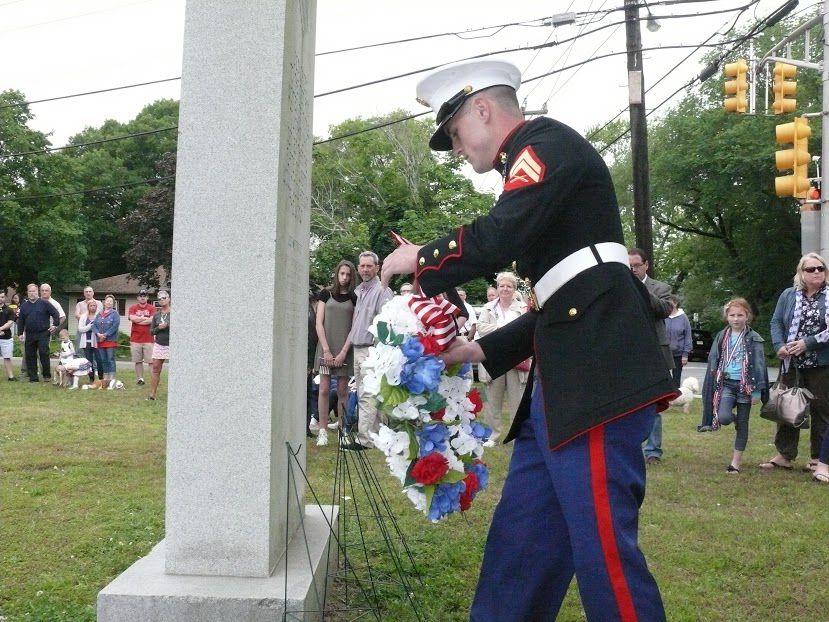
point(813, 269)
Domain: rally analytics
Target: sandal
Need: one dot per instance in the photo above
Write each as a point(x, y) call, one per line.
point(771, 465)
point(732, 469)
point(820, 478)
point(810, 466)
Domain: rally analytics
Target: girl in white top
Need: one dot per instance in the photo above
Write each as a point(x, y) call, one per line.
point(88, 339)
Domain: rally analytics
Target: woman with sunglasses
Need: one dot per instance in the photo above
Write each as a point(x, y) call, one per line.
point(801, 339)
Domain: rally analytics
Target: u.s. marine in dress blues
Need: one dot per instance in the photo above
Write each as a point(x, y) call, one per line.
point(570, 503)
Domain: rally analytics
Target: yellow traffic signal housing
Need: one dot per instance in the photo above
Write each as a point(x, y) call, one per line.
point(784, 88)
point(797, 158)
point(737, 86)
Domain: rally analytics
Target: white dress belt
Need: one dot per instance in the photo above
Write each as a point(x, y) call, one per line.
point(574, 264)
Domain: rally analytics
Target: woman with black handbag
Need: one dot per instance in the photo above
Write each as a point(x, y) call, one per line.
point(800, 336)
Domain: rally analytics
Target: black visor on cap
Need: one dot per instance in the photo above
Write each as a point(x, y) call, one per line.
point(440, 140)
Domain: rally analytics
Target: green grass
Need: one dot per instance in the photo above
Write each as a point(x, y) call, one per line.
point(82, 497)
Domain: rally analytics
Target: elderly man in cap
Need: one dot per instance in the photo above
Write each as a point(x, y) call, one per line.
point(570, 503)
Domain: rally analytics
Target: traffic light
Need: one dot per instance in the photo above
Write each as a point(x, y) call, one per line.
point(797, 158)
point(737, 86)
point(784, 88)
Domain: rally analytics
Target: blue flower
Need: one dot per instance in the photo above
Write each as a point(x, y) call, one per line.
point(422, 375)
point(480, 431)
point(465, 370)
point(447, 499)
point(432, 438)
point(481, 472)
point(412, 349)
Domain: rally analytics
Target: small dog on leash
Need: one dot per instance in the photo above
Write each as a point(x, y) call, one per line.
point(686, 394)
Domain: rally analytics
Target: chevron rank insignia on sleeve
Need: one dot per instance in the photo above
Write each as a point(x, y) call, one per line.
point(527, 170)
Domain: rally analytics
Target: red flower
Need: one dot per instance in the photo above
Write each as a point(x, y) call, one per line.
point(430, 469)
point(476, 400)
point(438, 414)
point(430, 344)
point(471, 483)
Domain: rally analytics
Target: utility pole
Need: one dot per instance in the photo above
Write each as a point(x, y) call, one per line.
point(643, 227)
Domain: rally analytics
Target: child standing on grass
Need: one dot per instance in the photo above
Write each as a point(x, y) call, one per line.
point(736, 376)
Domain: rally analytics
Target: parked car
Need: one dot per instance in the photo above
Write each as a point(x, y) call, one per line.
point(701, 341)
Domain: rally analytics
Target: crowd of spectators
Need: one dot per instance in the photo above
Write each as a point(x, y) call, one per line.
point(39, 318)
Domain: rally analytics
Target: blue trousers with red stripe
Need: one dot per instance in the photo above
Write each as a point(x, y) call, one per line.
point(571, 511)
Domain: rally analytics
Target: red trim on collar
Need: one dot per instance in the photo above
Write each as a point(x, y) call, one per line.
point(455, 255)
point(497, 161)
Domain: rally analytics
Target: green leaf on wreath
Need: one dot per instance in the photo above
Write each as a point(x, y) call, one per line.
point(392, 395)
point(382, 331)
point(409, 480)
point(413, 446)
point(452, 477)
point(434, 403)
point(453, 370)
point(430, 492)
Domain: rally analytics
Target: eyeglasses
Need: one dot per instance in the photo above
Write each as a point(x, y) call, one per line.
point(813, 269)
point(162, 298)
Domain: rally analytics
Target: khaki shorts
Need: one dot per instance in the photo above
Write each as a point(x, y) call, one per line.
point(141, 352)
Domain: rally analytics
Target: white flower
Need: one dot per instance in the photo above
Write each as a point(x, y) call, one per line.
point(390, 442)
point(382, 359)
point(454, 388)
point(417, 497)
point(464, 443)
point(455, 464)
point(399, 466)
point(398, 316)
point(409, 409)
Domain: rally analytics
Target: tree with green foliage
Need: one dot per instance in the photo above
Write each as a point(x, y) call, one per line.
point(150, 227)
point(116, 163)
point(41, 235)
point(369, 184)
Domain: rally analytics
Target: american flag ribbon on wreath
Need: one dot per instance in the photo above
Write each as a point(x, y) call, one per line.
point(435, 313)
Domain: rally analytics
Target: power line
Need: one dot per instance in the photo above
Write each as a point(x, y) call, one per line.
point(374, 127)
point(759, 27)
point(86, 191)
point(666, 74)
point(530, 48)
point(500, 27)
point(158, 179)
point(93, 142)
point(114, 88)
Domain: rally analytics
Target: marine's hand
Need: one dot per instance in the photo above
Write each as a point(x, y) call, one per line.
point(403, 260)
point(462, 351)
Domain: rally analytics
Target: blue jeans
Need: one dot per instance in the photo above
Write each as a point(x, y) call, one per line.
point(653, 446)
point(107, 360)
point(93, 355)
point(729, 398)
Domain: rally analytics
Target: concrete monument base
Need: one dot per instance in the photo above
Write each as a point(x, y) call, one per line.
point(145, 592)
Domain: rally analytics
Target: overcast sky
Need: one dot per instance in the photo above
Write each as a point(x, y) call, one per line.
point(56, 47)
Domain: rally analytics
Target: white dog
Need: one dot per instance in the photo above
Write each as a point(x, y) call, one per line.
point(686, 394)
